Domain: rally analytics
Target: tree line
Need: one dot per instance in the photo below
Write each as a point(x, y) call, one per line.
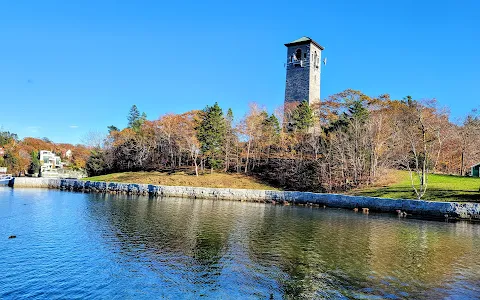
point(346, 141)
point(21, 156)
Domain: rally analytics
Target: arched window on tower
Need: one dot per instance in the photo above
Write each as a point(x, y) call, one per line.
point(298, 54)
point(315, 59)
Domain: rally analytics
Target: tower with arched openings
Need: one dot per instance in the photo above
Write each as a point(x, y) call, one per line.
point(303, 66)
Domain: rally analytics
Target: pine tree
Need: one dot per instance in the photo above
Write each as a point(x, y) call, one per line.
point(229, 116)
point(135, 120)
point(270, 132)
point(6, 137)
point(133, 116)
point(211, 135)
point(358, 111)
point(112, 128)
point(302, 117)
point(272, 125)
point(96, 164)
point(35, 163)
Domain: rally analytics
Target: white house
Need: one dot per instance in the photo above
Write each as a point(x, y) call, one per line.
point(49, 161)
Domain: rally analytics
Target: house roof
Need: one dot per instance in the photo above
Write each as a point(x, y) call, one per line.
point(475, 165)
point(304, 40)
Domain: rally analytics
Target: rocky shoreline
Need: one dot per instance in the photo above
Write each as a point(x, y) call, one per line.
point(417, 208)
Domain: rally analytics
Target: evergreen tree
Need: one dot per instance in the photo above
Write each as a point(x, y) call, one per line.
point(6, 137)
point(10, 160)
point(302, 117)
point(133, 116)
point(229, 117)
point(272, 125)
point(112, 128)
point(211, 134)
point(358, 111)
point(135, 120)
point(95, 164)
point(270, 132)
point(409, 101)
point(35, 164)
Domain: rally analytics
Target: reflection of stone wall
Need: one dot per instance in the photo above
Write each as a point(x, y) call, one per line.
point(415, 207)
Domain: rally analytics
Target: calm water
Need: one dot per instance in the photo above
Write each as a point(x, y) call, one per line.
point(72, 245)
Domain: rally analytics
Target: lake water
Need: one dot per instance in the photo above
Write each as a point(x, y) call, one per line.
point(73, 245)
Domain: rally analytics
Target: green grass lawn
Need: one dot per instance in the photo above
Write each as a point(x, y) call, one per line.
point(439, 188)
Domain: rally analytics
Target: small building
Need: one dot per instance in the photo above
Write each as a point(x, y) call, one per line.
point(66, 153)
point(2, 152)
point(49, 161)
point(476, 170)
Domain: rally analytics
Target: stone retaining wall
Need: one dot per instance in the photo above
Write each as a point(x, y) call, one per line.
point(450, 210)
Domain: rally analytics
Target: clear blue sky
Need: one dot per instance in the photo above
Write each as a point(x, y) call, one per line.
point(69, 67)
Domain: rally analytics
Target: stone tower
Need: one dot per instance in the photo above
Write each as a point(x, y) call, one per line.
point(303, 71)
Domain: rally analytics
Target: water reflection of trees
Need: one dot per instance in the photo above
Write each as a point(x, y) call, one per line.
point(299, 252)
point(423, 254)
point(185, 234)
point(313, 248)
point(327, 253)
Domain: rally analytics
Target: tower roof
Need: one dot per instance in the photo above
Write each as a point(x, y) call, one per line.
point(304, 40)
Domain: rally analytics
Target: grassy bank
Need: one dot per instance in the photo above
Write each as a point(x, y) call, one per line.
point(215, 180)
point(394, 184)
point(397, 184)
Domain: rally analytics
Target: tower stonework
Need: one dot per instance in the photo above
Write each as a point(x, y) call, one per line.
point(303, 71)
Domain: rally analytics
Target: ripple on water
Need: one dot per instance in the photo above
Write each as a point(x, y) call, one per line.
point(72, 245)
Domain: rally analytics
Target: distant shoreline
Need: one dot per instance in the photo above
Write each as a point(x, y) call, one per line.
point(415, 208)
